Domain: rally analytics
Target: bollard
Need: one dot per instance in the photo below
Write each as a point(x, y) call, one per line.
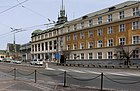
point(35, 76)
point(65, 79)
point(14, 73)
point(102, 81)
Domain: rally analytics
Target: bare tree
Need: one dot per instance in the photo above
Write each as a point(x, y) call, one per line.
point(126, 54)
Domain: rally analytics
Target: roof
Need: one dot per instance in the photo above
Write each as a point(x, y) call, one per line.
point(37, 32)
point(118, 6)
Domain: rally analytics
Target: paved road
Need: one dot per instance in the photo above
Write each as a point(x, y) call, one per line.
point(47, 77)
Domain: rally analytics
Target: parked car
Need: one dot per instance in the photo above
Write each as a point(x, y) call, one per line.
point(36, 62)
point(16, 61)
point(8, 60)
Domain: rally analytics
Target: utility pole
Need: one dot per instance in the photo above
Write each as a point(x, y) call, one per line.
point(14, 41)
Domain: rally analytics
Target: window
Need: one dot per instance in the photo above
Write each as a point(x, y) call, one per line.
point(75, 46)
point(99, 43)
point(121, 55)
point(54, 33)
point(135, 11)
point(110, 42)
point(136, 54)
point(110, 55)
point(50, 34)
point(90, 45)
point(46, 35)
point(109, 18)
point(32, 48)
point(46, 45)
point(82, 46)
point(50, 45)
point(90, 56)
point(42, 46)
point(35, 47)
point(68, 37)
point(135, 25)
point(122, 41)
point(99, 55)
point(2, 56)
point(110, 30)
point(68, 28)
point(82, 55)
point(90, 34)
point(68, 47)
point(100, 32)
point(61, 41)
point(61, 31)
point(55, 44)
point(90, 23)
point(100, 20)
point(82, 25)
point(38, 37)
point(82, 35)
point(75, 37)
point(122, 27)
point(74, 56)
point(42, 36)
point(75, 27)
point(38, 47)
point(135, 39)
point(122, 15)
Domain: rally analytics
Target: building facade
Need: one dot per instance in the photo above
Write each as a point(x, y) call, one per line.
point(25, 52)
point(92, 36)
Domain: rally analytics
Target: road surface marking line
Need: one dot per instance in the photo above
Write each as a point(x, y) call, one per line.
point(49, 69)
point(63, 70)
point(121, 74)
point(92, 72)
point(131, 74)
point(77, 71)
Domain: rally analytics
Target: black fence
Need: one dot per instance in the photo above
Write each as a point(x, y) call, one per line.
point(65, 75)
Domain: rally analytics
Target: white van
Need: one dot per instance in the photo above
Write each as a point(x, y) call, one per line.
point(36, 62)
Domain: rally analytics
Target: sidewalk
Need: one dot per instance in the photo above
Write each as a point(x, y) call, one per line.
point(7, 83)
point(23, 86)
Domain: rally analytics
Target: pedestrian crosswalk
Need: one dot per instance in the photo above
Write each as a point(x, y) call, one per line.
point(94, 72)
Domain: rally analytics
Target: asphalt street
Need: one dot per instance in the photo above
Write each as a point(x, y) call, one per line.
point(77, 78)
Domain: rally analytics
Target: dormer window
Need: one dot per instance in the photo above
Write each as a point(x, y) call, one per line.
point(90, 23)
point(100, 20)
point(135, 11)
point(75, 27)
point(110, 18)
point(112, 9)
point(121, 14)
point(82, 25)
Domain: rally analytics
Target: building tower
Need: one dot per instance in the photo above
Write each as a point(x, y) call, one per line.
point(62, 18)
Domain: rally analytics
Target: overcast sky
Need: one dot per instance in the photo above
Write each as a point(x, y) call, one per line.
point(30, 13)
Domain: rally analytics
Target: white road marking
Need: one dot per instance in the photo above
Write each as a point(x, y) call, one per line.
point(92, 72)
point(49, 69)
point(123, 74)
point(120, 74)
point(78, 71)
point(62, 70)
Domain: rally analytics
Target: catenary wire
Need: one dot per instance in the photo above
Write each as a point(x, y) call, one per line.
point(13, 7)
point(23, 6)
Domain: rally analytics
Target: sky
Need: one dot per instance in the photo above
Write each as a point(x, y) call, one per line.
point(30, 15)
